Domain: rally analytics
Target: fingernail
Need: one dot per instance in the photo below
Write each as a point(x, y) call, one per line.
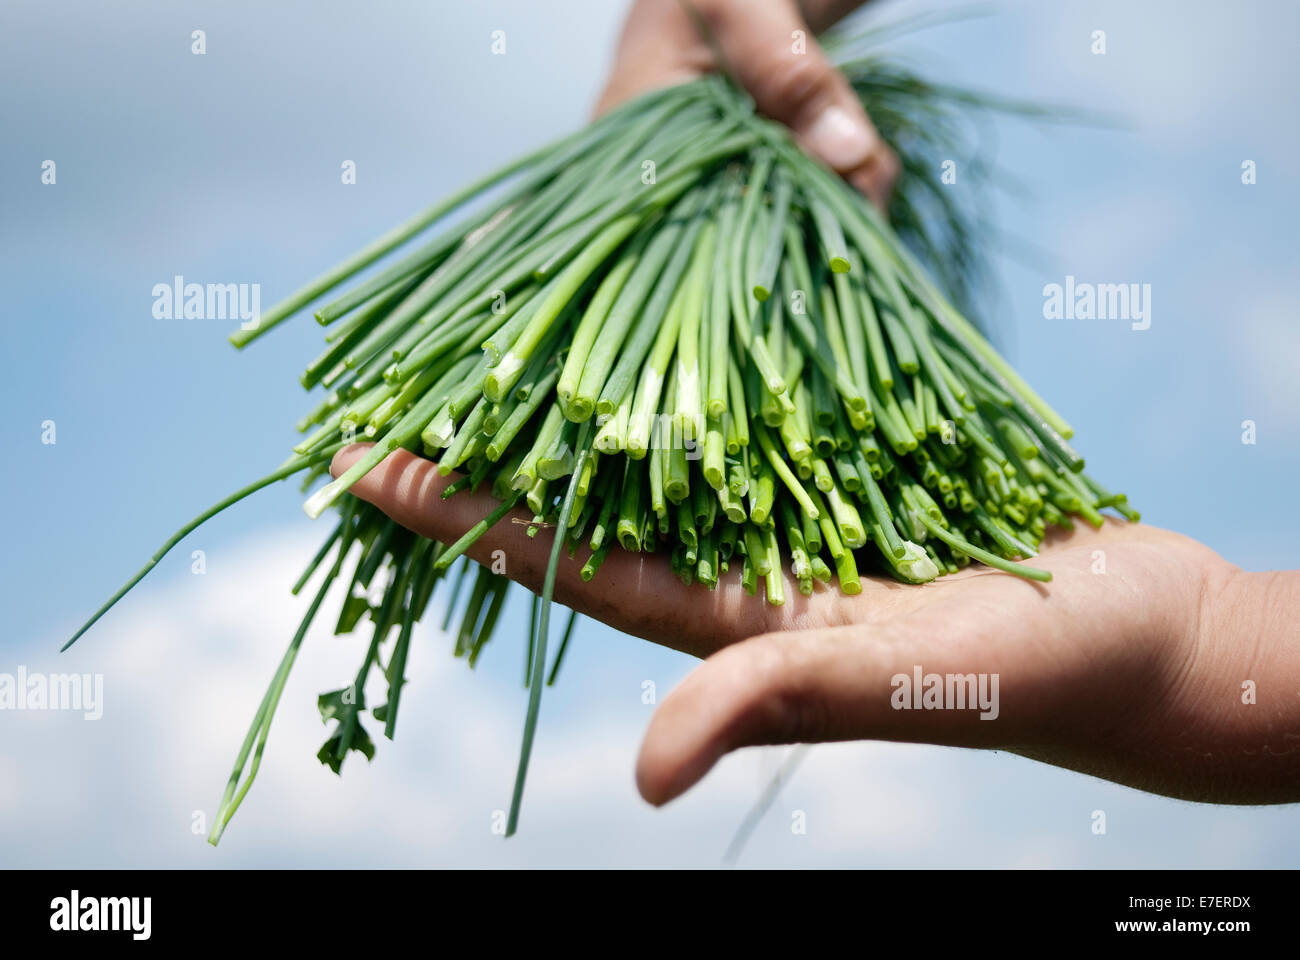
point(840, 138)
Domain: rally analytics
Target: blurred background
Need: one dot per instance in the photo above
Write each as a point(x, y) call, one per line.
point(225, 168)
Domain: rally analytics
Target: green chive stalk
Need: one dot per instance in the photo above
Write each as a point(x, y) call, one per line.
point(741, 366)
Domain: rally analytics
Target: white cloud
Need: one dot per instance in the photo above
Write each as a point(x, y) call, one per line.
point(186, 661)
point(1114, 238)
point(1267, 337)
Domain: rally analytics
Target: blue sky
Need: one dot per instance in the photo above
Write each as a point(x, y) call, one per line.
point(225, 168)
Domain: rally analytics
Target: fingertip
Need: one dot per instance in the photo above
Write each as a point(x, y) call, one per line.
point(664, 771)
point(715, 710)
point(649, 779)
point(841, 136)
point(348, 456)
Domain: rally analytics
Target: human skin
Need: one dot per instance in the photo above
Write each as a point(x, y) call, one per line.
point(1134, 674)
point(662, 45)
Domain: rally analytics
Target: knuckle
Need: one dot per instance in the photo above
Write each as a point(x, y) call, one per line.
point(799, 88)
point(716, 14)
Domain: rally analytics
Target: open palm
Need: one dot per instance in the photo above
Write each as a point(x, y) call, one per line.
point(1102, 670)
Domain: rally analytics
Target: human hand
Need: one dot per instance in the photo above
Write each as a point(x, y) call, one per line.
point(662, 45)
point(1132, 674)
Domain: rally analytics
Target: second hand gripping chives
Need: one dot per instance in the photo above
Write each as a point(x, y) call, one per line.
point(671, 332)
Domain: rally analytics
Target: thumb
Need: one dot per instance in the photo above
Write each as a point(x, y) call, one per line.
point(772, 53)
point(809, 686)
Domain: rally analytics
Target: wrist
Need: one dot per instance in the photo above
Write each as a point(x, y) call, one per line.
point(1235, 725)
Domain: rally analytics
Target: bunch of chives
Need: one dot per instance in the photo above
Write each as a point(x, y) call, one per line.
point(736, 363)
